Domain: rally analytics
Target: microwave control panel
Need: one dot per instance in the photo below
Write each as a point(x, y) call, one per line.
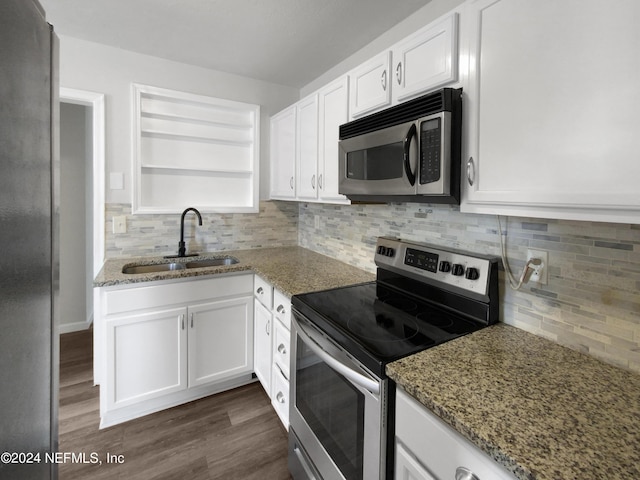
point(430, 150)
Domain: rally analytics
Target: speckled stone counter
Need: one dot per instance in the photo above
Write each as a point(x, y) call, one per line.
point(292, 270)
point(543, 411)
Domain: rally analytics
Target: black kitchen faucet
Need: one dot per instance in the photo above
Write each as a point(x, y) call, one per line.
point(182, 250)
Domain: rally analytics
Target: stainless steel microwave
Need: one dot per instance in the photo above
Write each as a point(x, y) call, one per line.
point(410, 152)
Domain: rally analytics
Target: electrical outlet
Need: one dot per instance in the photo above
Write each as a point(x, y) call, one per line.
point(120, 224)
point(540, 272)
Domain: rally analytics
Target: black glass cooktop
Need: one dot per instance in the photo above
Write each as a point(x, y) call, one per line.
point(377, 324)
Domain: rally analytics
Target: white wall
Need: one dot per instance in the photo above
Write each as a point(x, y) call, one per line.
point(76, 267)
point(424, 16)
point(102, 69)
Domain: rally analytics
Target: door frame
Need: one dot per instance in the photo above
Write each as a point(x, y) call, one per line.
point(95, 101)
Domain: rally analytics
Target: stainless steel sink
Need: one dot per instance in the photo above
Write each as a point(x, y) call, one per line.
point(211, 262)
point(167, 267)
point(158, 267)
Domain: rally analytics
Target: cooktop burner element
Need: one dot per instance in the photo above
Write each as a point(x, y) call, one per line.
point(413, 304)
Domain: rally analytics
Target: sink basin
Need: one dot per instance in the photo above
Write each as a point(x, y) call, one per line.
point(159, 267)
point(211, 262)
point(167, 267)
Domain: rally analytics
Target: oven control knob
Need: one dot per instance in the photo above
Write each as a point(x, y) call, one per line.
point(386, 251)
point(472, 274)
point(390, 252)
point(457, 269)
point(381, 250)
point(445, 266)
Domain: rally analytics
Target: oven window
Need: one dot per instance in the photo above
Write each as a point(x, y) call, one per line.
point(334, 410)
point(378, 163)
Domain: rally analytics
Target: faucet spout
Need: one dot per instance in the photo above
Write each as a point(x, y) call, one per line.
point(182, 250)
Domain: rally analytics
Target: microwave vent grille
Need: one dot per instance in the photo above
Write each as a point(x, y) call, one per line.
point(435, 102)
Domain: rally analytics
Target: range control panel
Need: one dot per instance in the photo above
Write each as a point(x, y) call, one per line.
point(435, 264)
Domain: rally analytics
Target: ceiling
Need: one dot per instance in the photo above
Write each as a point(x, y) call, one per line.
point(289, 42)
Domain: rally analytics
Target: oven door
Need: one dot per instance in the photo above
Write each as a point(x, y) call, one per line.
point(337, 418)
point(382, 162)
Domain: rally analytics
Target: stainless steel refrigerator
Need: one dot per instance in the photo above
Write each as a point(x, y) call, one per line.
point(28, 246)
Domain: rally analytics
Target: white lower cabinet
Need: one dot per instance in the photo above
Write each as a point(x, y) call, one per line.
point(262, 345)
point(271, 347)
point(429, 449)
point(146, 356)
point(220, 340)
point(161, 344)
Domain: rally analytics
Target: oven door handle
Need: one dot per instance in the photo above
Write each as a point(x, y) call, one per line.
point(352, 375)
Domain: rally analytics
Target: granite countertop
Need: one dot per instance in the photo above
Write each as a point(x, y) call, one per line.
point(543, 411)
point(291, 270)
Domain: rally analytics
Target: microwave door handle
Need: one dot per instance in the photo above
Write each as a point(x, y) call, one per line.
point(345, 371)
point(413, 132)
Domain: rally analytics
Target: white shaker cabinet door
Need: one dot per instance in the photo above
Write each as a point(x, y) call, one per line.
point(283, 154)
point(307, 148)
point(333, 104)
point(146, 356)
point(426, 60)
point(220, 340)
point(370, 86)
point(551, 105)
point(262, 349)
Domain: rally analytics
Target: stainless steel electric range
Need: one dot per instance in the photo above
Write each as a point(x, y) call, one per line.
point(342, 403)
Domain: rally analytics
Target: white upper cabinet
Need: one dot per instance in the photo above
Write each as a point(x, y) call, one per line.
point(425, 60)
point(333, 101)
point(304, 146)
point(551, 109)
point(307, 148)
point(421, 62)
point(283, 154)
point(370, 86)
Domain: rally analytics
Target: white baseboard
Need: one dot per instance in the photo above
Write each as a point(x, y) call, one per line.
point(74, 327)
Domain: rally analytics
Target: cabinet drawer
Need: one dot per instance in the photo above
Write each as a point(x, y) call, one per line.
point(439, 447)
point(281, 348)
point(282, 308)
point(280, 398)
point(263, 291)
point(132, 298)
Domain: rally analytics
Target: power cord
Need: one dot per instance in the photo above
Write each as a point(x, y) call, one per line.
point(526, 271)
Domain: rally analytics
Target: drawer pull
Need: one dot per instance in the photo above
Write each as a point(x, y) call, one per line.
point(280, 309)
point(260, 291)
point(463, 473)
point(282, 349)
point(280, 397)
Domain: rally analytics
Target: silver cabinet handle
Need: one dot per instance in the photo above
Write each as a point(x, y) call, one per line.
point(282, 349)
point(463, 473)
point(383, 80)
point(291, 183)
point(399, 73)
point(280, 397)
point(260, 290)
point(192, 320)
point(471, 171)
point(268, 327)
point(320, 182)
point(313, 181)
point(280, 309)
point(182, 321)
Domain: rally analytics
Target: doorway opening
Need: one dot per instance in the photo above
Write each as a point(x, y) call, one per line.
point(82, 197)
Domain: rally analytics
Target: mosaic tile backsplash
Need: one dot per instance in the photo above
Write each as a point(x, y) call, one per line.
point(590, 304)
point(275, 225)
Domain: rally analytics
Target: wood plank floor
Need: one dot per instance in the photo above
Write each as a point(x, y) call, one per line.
point(232, 435)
